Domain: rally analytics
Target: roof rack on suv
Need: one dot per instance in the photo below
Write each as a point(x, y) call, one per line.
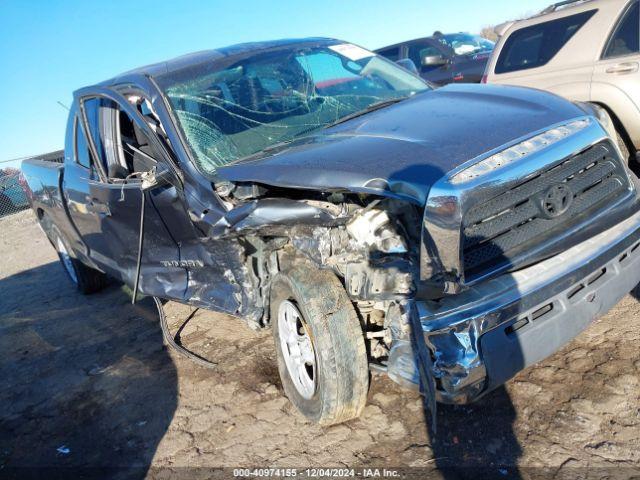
point(559, 5)
point(502, 28)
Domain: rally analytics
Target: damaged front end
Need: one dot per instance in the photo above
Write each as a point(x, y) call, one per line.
point(428, 226)
point(434, 319)
point(371, 243)
point(364, 240)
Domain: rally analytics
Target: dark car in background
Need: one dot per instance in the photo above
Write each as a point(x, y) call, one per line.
point(12, 196)
point(444, 58)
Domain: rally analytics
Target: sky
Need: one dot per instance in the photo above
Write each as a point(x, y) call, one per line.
point(49, 48)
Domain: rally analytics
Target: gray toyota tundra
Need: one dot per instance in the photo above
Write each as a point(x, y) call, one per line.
point(446, 237)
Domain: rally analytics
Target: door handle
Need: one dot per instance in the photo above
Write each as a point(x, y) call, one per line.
point(627, 67)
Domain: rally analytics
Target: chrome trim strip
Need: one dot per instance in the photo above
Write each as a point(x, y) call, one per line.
point(521, 139)
point(441, 249)
point(518, 151)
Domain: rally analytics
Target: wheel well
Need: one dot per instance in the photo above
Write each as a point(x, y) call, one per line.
point(619, 126)
point(45, 223)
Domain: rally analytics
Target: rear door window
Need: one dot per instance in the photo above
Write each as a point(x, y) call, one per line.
point(626, 37)
point(536, 45)
point(83, 156)
point(99, 121)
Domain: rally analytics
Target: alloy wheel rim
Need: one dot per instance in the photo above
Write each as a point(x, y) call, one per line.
point(297, 349)
point(66, 260)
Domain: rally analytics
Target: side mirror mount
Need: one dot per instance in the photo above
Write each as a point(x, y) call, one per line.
point(434, 60)
point(408, 64)
point(159, 176)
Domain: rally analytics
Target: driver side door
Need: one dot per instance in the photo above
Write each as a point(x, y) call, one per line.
point(123, 148)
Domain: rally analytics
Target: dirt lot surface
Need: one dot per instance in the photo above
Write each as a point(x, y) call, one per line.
point(86, 381)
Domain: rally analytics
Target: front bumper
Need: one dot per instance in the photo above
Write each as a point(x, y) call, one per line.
point(482, 337)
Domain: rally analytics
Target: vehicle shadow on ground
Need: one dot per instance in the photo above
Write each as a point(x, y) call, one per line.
point(86, 381)
point(478, 440)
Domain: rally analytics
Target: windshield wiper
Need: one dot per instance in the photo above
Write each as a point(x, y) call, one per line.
point(260, 153)
point(371, 108)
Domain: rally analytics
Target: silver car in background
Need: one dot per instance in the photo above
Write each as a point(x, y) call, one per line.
point(586, 51)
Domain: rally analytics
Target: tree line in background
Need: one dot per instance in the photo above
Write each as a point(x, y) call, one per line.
point(489, 33)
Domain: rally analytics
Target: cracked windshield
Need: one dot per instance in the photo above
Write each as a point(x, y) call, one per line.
point(228, 114)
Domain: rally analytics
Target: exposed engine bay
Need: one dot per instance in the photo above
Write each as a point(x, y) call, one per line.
point(371, 244)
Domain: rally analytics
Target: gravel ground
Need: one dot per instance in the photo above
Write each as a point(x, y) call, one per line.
point(86, 382)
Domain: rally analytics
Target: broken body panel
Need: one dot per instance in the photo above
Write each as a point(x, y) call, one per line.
point(371, 199)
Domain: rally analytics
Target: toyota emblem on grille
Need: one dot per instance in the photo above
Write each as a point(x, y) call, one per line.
point(556, 200)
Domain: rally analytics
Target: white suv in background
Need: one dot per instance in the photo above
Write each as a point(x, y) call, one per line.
point(584, 50)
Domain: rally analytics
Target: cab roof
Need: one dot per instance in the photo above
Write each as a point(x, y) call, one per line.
point(430, 37)
point(226, 54)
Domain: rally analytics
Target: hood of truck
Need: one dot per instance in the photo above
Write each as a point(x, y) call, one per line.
point(401, 150)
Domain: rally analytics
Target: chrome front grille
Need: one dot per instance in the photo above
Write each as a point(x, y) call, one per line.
point(496, 231)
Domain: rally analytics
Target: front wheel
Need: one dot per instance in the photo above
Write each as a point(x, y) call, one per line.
point(320, 346)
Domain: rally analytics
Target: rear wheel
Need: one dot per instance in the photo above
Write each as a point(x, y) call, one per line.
point(320, 346)
point(86, 279)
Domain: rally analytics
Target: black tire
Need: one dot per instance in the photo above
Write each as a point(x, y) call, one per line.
point(86, 279)
point(341, 366)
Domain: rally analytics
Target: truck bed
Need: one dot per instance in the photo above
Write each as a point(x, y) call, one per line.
point(54, 157)
point(43, 176)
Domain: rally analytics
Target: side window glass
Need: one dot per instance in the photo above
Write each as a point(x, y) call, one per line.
point(536, 45)
point(392, 54)
point(82, 154)
point(626, 37)
point(134, 153)
point(92, 111)
point(122, 146)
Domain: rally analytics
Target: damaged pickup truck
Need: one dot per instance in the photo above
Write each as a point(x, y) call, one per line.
point(448, 237)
